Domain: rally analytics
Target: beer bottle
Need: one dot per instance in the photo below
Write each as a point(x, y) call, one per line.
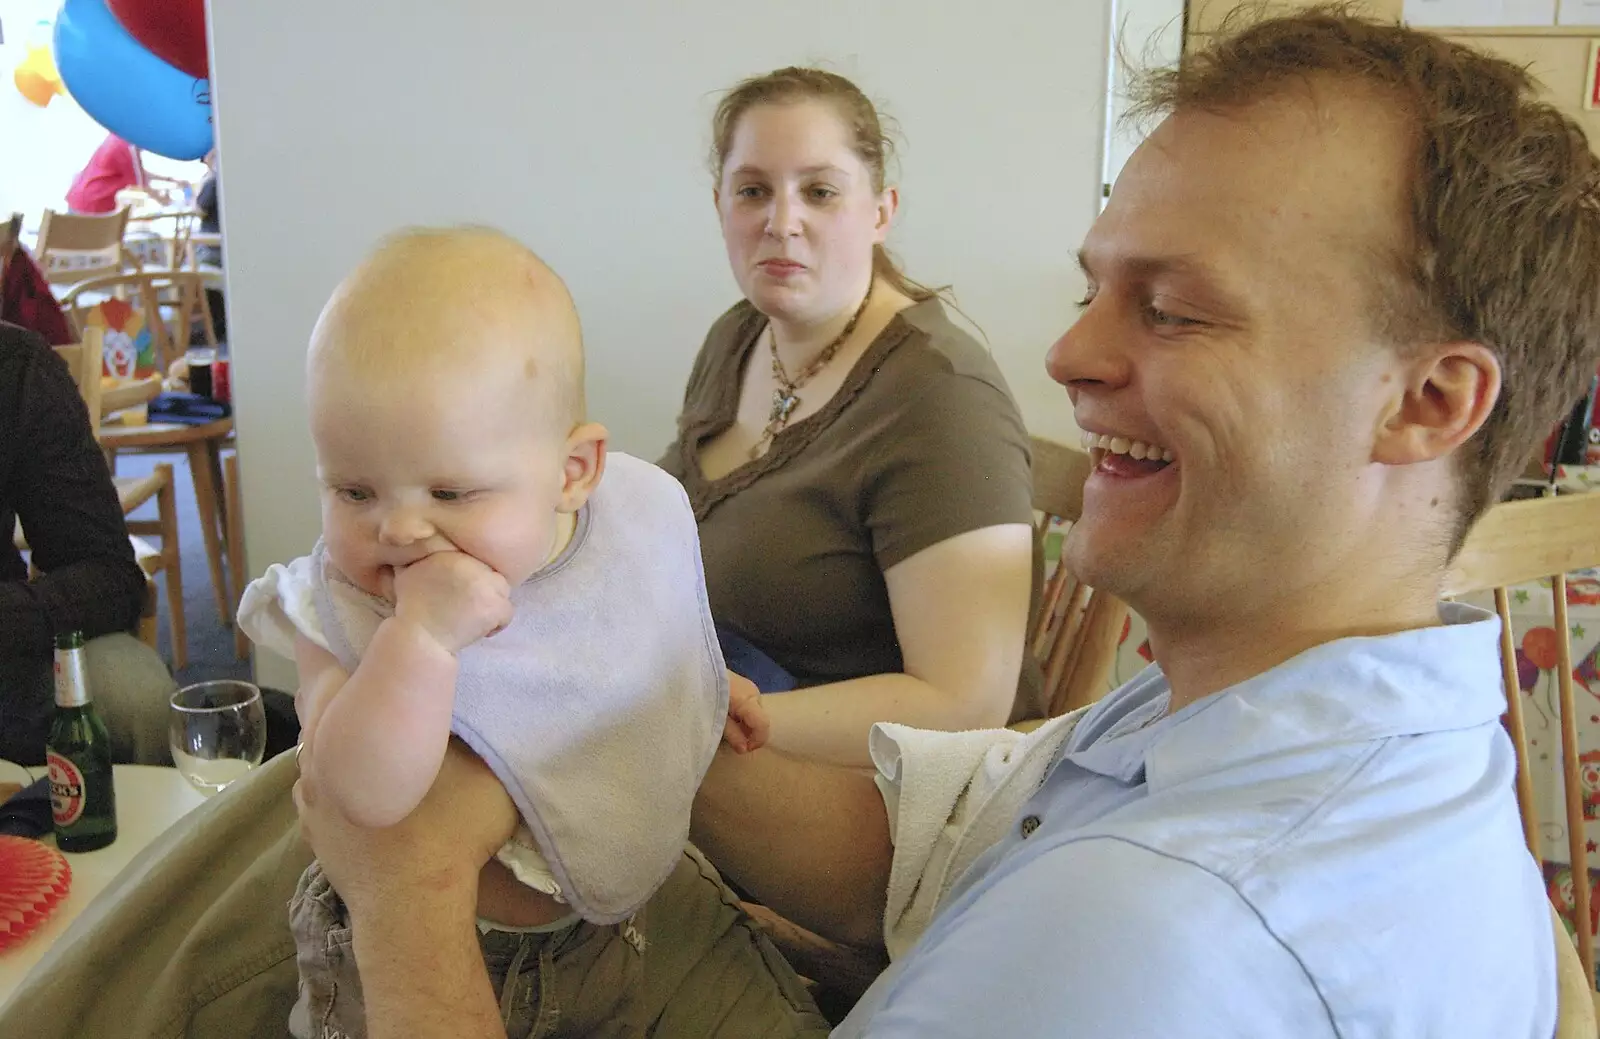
point(78, 754)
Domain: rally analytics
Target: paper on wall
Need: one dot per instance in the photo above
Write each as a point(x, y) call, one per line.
point(1579, 12)
point(1479, 12)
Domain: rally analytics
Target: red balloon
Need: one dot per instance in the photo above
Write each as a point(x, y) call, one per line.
point(1541, 645)
point(172, 30)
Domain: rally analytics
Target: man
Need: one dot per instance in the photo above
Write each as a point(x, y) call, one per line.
point(1335, 301)
point(53, 479)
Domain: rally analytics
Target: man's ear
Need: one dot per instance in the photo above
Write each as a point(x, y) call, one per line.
point(585, 464)
point(1447, 396)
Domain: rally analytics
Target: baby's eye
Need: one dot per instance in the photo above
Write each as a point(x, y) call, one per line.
point(355, 495)
point(447, 495)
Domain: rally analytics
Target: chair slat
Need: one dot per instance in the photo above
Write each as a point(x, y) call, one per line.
point(1577, 839)
point(1521, 541)
point(1517, 726)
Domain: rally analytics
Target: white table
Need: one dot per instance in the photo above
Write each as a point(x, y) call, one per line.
point(149, 800)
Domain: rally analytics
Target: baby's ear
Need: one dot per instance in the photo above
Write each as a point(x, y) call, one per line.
point(584, 465)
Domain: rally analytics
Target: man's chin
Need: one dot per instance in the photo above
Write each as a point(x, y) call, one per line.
point(1105, 559)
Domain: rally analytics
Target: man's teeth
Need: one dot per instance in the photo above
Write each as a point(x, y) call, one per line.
point(1136, 449)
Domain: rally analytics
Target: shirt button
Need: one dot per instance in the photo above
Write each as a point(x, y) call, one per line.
point(1029, 824)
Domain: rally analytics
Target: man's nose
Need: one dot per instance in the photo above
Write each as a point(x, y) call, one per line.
point(1092, 350)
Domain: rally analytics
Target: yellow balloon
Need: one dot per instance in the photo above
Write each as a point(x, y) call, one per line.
point(33, 86)
point(36, 77)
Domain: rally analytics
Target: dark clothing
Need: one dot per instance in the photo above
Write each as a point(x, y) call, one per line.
point(26, 300)
point(54, 478)
point(206, 201)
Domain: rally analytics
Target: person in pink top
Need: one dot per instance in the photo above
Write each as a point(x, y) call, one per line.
point(115, 165)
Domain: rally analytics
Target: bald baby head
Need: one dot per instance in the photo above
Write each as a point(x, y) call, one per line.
point(447, 304)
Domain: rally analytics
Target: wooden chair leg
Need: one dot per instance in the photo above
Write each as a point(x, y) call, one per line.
point(235, 527)
point(205, 496)
point(172, 565)
point(1577, 848)
point(148, 630)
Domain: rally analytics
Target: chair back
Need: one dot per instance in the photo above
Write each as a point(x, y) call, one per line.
point(75, 246)
point(181, 297)
point(1075, 633)
point(1515, 542)
point(127, 307)
point(160, 239)
point(84, 360)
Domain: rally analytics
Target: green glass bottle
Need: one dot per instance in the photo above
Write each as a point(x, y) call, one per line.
point(78, 753)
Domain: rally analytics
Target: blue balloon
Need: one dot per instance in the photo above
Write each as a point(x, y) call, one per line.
point(128, 90)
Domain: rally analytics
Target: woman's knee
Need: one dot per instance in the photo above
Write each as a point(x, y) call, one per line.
point(131, 688)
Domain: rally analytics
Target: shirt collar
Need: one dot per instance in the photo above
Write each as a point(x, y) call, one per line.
point(1351, 690)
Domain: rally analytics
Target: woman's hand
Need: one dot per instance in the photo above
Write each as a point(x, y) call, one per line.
point(438, 849)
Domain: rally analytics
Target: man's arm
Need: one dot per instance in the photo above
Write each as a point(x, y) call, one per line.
point(412, 890)
point(1098, 939)
point(63, 494)
point(809, 840)
point(422, 973)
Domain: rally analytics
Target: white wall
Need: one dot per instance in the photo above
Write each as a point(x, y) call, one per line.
point(582, 128)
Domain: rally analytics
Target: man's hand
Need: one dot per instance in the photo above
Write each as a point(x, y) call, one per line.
point(438, 849)
point(747, 727)
point(454, 598)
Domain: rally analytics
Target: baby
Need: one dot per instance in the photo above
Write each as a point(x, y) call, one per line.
point(477, 577)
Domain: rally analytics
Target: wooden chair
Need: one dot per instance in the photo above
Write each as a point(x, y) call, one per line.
point(165, 300)
point(1076, 631)
point(74, 246)
point(160, 238)
point(1514, 543)
point(84, 360)
point(139, 291)
point(171, 304)
point(181, 298)
point(149, 629)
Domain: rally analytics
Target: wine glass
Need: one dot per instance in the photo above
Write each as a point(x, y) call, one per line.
point(217, 732)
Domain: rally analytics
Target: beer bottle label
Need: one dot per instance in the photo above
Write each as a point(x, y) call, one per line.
point(66, 789)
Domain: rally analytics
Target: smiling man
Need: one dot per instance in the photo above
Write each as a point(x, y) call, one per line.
point(1336, 300)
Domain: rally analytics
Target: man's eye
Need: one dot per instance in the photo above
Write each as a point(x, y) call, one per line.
point(1158, 316)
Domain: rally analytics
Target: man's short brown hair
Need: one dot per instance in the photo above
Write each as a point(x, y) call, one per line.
point(1504, 243)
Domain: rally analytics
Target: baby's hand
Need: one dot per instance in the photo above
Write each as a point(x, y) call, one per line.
point(452, 597)
point(747, 727)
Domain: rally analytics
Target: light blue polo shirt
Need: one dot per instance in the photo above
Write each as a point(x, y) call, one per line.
point(1331, 848)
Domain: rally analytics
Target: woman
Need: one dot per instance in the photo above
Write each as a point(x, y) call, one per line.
point(858, 467)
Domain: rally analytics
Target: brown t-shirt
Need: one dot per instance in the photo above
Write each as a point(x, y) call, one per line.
point(922, 442)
